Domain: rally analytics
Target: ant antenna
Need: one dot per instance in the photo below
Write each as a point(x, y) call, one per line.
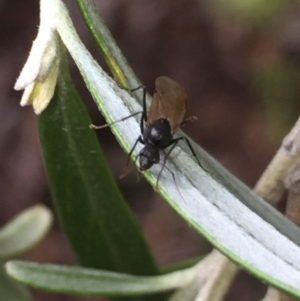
point(97, 127)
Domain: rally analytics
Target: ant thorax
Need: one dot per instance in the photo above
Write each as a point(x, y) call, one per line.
point(158, 133)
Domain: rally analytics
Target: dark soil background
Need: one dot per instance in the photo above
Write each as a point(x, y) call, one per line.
point(241, 72)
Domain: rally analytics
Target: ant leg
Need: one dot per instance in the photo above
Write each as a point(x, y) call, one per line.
point(174, 179)
point(92, 126)
point(132, 149)
point(144, 99)
point(127, 170)
point(137, 88)
point(144, 115)
point(144, 104)
point(144, 112)
point(142, 123)
point(173, 142)
point(193, 152)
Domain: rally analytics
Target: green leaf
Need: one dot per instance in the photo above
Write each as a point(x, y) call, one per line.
point(111, 53)
point(90, 282)
point(24, 231)
point(10, 290)
point(93, 214)
point(215, 203)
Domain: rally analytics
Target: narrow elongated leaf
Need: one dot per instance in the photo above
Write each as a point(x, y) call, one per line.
point(89, 282)
point(225, 211)
point(111, 53)
point(24, 231)
point(98, 223)
point(10, 290)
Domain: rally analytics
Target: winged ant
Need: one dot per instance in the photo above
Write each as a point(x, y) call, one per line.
point(163, 120)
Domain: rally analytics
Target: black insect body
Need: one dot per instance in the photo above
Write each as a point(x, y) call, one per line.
point(156, 137)
point(164, 118)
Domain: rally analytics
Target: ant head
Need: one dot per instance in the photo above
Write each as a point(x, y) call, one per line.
point(148, 156)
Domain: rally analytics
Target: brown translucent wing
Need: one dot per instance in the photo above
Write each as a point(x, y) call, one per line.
point(169, 101)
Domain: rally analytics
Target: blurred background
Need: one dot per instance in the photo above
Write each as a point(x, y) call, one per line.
point(239, 62)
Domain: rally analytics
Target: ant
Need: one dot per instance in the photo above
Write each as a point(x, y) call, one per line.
point(163, 120)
